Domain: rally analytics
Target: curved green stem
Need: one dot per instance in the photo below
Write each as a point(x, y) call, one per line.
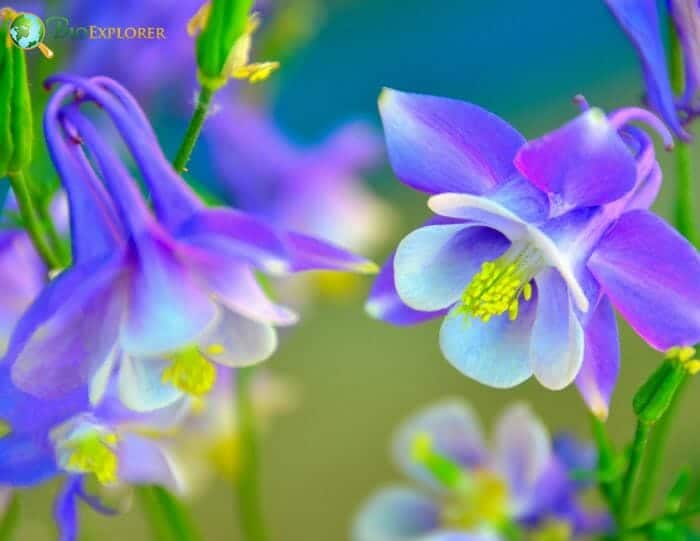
point(31, 221)
point(641, 436)
point(167, 517)
point(194, 129)
point(10, 520)
point(248, 484)
point(609, 488)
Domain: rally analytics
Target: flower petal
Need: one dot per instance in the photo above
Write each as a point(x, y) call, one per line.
point(238, 235)
point(640, 20)
point(481, 210)
point(556, 350)
point(496, 353)
point(384, 302)
point(167, 309)
point(650, 272)
point(583, 163)
point(239, 341)
point(308, 253)
point(601, 359)
point(141, 386)
point(522, 453)
point(396, 514)
point(444, 145)
point(455, 432)
point(435, 263)
point(24, 461)
point(143, 462)
point(55, 346)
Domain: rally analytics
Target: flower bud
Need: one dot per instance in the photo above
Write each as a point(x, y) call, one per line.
point(16, 120)
point(225, 41)
point(656, 394)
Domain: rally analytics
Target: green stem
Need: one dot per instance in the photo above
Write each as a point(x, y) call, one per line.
point(31, 221)
point(641, 435)
point(10, 520)
point(54, 238)
point(649, 477)
point(606, 464)
point(167, 517)
point(684, 215)
point(248, 484)
point(194, 129)
point(672, 517)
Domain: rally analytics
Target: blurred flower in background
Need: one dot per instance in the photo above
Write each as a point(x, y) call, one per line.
point(467, 490)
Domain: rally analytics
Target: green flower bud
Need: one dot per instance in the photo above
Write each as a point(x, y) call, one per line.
point(16, 119)
point(225, 23)
point(656, 394)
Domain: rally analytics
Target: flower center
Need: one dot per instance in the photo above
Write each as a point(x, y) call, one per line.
point(191, 372)
point(94, 453)
point(497, 287)
point(552, 530)
point(484, 501)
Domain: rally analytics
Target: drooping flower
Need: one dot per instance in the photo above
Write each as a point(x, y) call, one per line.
point(45, 439)
point(534, 243)
point(640, 20)
point(170, 293)
point(466, 490)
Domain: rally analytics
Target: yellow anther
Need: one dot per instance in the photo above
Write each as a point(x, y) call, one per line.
point(94, 453)
point(190, 372)
point(693, 367)
point(495, 290)
point(484, 503)
point(215, 349)
point(685, 355)
point(255, 72)
point(238, 63)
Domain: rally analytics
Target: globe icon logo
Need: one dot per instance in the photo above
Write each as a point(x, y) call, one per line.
point(27, 31)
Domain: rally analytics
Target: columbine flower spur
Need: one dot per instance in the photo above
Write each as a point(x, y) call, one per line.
point(534, 243)
point(640, 20)
point(470, 492)
point(171, 294)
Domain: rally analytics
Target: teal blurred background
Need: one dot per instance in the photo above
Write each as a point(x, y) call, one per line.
point(357, 378)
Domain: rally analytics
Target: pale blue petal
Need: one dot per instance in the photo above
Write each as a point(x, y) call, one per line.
point(557, 337)
point(396, 514)
point(434, 264)
point(496, 353)
point(141, 386)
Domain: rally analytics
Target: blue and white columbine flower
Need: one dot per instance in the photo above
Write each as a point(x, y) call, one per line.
point(533, 244)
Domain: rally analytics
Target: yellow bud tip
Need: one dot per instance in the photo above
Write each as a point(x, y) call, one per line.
point(5, 429)
point(367, 267)
point(199, 20)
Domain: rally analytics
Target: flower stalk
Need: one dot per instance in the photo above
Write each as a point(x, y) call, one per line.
point(248, 484)
point(194, 129)
point(10, 519)
point(31, 220)
point(166, 516)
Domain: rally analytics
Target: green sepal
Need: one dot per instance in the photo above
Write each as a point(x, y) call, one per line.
point(656, 394)
point(6, 57)
point(678, 491)
point(22, 119)
point(226, 23)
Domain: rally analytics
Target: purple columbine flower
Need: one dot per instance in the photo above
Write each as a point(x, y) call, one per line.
point(466, 491)
point(534, 243)
point(316, 190)
point(158, 300)
point(640, 20)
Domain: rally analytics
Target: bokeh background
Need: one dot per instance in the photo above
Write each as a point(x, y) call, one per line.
point(357, 378)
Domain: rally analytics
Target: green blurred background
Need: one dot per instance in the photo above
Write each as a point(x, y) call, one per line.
point(358, 378)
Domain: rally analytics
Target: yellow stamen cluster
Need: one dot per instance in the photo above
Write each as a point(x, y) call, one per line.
point(94, 453)
point(494, 290)
point(191, 372)
point(485, 502)
point(685, 355)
